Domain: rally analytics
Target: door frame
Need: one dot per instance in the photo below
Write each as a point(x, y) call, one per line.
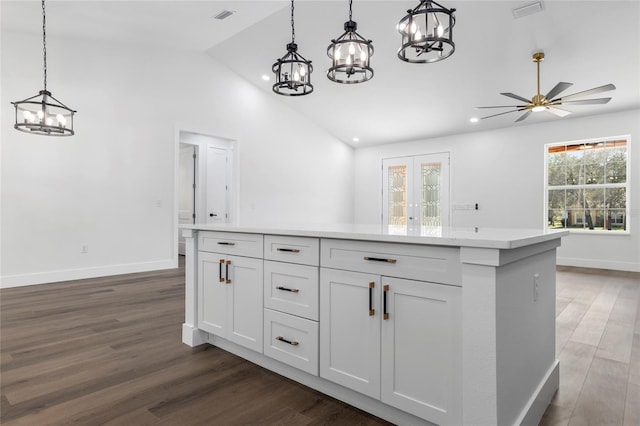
point(201, 140)
point(412, 179)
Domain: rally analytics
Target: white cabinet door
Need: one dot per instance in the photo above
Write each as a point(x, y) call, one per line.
point(421, 350)
point(212, 297)
point(350, 330)
point(245, 298)
point(231, 298)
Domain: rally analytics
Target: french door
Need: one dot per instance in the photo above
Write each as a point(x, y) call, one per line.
point(415, 192)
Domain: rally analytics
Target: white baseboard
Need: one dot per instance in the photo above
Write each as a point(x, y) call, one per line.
point(598, 264)
point(20, 280)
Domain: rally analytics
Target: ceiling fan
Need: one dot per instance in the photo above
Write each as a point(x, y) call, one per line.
point(550, 102)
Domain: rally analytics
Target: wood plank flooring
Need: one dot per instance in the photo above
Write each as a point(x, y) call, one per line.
point(108, 351)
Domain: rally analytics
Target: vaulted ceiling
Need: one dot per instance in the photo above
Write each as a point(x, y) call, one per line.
point(588, 43)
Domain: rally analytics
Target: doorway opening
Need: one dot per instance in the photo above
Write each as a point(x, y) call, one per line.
point(205, 181)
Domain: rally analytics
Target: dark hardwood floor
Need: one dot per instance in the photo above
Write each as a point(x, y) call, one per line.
point(108, 351)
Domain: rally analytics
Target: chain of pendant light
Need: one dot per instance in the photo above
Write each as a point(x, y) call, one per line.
point(44, 43)
point(293, 27)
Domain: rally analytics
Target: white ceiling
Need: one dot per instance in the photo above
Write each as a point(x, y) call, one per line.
point(588, 43)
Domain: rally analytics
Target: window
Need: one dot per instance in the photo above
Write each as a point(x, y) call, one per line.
point(587, 185)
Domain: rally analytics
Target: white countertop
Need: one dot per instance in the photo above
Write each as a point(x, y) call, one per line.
point(501, 238)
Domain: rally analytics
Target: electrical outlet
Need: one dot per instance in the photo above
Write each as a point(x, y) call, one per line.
point(536, 287)
point(84, 249)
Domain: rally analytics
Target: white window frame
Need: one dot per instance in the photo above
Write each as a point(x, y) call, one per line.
point(626, 185)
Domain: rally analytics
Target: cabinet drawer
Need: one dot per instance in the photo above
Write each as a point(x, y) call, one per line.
point(249, 245)
point(301, 250)
point(292, 289)
point(292, 340)
point(425, 263)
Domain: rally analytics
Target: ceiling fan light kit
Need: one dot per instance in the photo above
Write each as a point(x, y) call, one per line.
point(293, 71)
point(43, 114)
point(427, 33)
point(550, 102)
point(350, 55)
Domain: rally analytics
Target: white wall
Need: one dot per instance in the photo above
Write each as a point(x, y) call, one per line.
point(111, 186)
point(503, 171)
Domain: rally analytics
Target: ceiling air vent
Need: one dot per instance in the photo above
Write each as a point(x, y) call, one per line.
point(528, 9)
point(223, 15)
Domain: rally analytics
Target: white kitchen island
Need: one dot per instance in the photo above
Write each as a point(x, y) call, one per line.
point(425, 326)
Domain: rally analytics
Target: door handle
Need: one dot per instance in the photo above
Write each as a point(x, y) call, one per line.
point(291, 342)
point(228, 279)
point(212, 215)
point(385, 314)
point(372, 311)
point(220, 271)
point(288, 250)
point(292, 290)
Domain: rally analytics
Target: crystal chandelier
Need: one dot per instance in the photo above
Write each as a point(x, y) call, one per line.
point(350, 54)
point(427, 33)
point(293, 71)
point(43, 114)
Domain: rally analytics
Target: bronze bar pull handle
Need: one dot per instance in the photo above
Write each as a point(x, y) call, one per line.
point(380, 259)
point(288, 250)
point(292, 290)
point(228, 279)
point(226, 243)
point(220, 272)
point(291, 342)
point(385, 314)
point(372, 311)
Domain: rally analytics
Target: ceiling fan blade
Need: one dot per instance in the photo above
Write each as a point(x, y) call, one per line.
point(559, 112)
point(520, 98)
point(557, 89)
point(585, 101)
point(502, 106)
point(523, 116)
point(589, 92)
point(502, 113)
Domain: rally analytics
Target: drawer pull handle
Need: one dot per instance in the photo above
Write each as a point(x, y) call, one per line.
point(372, 311)
point(292, 290)
point(380, 259)
point(385, 314)
point(291, 342)
point(228, 279)
point(226, 243)
point(220, 272)
point(288, 250)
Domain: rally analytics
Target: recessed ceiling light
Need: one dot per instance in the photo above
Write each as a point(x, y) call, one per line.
point(474, 119)
point(266, 77)
point(356, 139)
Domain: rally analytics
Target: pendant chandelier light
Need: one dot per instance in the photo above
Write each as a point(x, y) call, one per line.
point(427, 33)
point(293, 72)
point(350, 54)
point(43, 114)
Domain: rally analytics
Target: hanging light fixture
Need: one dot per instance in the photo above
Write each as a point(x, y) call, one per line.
point(350, 54)
point(427, 33)
point(293, 72)
point(43, 114)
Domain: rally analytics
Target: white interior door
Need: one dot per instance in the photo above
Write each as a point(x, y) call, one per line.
point(217, 185)
point(186, 192)
point(415, 192)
